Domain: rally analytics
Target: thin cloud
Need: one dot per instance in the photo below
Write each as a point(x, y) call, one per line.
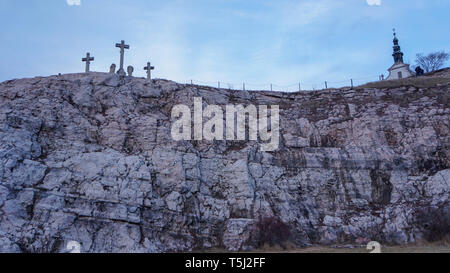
point(73, 2)
point(300, 14)
point(374, 2)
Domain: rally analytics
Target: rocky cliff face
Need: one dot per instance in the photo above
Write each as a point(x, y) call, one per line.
point(90, 158)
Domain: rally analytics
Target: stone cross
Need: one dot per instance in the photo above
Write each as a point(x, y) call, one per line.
point(122, 47)
point(112, 69)
point(88, 61)
point(130, 70)
point(149, 69)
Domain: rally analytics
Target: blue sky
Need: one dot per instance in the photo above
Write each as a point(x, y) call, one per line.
point(233, 41)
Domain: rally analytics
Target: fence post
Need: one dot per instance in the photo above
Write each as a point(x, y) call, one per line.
point(351, 82)
point(192, 83)
point(219, 85)
point(299, 87)
point(271, 89)
point(326, 85)
point(243, 86)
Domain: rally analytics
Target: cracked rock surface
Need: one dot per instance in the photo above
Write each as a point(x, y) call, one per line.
point(90, 158)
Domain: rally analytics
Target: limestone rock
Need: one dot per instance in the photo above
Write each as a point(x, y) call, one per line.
point(90, 158)
point(237, 233)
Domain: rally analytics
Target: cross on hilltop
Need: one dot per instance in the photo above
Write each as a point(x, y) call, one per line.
point(121, 72)
point(122, 47)
point(88, 61)
point(149, 69)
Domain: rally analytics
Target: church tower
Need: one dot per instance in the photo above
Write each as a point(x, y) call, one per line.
point(399, 70)
point(398, 54)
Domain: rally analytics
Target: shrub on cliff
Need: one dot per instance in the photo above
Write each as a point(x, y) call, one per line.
point(434, 222)
point(272, 231)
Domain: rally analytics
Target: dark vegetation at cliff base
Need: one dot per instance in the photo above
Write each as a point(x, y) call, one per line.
point(271, 231)
point(435, 223)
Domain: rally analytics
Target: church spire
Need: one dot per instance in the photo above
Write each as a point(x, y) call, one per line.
point(398, 54)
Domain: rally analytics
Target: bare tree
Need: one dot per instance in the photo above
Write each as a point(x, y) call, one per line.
point(432, 61)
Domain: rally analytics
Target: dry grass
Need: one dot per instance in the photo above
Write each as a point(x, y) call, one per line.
point(332, 250)
point(390, 249)
point(419, 247)
point(419, 82)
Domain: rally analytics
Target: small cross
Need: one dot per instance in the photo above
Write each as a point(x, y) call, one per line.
point(88, 61)
point(122, 47)
point(149, 69)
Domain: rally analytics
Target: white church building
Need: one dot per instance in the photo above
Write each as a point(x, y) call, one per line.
point(399, 70)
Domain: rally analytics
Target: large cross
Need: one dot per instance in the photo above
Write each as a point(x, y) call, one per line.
point(122, 47)
point(88, 61)
point(149, 69)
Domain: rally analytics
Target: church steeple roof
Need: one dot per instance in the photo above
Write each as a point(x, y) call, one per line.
point(398, 54)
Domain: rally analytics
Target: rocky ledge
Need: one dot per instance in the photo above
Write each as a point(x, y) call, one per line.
point(90, 158)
